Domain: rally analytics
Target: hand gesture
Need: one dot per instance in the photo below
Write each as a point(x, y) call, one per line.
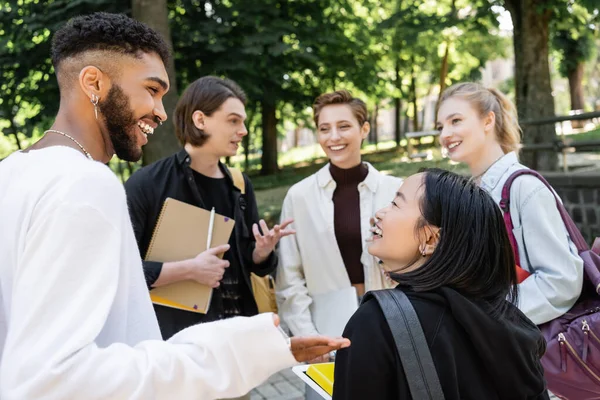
point(316, 348)
point(308, 348)
point(207, 268)
point(266, 242)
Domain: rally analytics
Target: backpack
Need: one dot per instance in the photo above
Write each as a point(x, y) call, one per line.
point(572, 359)
point(263, 287)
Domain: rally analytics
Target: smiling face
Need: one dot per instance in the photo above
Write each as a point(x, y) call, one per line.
point(396, 239)
point(133, 107)
point(340, 135)
point(463, 132)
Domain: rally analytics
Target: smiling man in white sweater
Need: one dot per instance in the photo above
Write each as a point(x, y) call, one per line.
point(76, 320)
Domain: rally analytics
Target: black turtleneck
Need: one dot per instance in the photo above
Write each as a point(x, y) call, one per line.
point(346, 217)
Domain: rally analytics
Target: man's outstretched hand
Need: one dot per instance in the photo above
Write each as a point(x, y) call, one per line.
point(307, 348)
point(310, 347)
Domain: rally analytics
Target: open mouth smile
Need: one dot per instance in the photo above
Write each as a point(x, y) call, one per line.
point(146, 129)
point(453, 145)
point(338, 147)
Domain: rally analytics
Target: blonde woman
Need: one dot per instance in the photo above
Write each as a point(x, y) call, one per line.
point(479, 127)
point(331, 210)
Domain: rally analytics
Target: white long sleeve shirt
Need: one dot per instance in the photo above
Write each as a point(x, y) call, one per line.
point(76, 321)
point(545, 249)
point(310, 261)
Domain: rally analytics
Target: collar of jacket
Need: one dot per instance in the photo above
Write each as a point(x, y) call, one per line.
point(494, 175)
point(324, 177)
point(183, 158)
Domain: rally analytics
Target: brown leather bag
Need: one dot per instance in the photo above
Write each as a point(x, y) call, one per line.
point(263, 287)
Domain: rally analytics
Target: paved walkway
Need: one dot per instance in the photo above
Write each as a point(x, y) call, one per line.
point(284, 385)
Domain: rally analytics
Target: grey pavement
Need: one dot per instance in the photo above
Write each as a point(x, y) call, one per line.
point(284, 385)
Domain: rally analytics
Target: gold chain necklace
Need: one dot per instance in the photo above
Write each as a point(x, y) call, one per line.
point(475, 178)
point(73, 139)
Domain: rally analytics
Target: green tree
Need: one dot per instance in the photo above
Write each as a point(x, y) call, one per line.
point(30, 96)
point(280, 52)
point(433, 44)
point(155, 14)
point(531, 27)
point(573, 38)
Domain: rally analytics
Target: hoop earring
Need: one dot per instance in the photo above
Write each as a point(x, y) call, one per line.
point(95, 99)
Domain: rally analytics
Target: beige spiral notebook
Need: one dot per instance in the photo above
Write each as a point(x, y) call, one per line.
point(180, 234)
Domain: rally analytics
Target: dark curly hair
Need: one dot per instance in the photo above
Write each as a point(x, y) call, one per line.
point(109, 32)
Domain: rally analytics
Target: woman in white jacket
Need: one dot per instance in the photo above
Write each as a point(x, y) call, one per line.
point(332, 209)
point(478, 126)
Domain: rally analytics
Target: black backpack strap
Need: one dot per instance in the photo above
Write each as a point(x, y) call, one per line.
point(412, 347)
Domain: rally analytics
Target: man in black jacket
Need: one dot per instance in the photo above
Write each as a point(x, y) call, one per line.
point(209, 122)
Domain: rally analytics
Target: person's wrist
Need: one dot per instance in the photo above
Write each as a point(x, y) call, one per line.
point(288, 340)
point(260, 255)
point(187, 270)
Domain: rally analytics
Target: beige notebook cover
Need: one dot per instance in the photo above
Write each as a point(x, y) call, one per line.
point(181, 233)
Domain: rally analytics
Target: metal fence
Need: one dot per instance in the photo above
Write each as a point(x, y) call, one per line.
point(562, 144)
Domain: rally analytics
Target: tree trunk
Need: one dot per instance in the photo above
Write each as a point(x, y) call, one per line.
point(14, 132)
point(246, 144)
point(397, 106)
point(154, 13)
point(443, 74)
point(532, 77)
point(269, 138)
point(413, 93)
point(251, 112)
point(375, 127)
point(576, 88)
point(296, 136)
point(397, 112)
point(575, 77)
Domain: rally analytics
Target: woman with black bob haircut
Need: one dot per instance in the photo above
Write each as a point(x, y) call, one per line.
point(443, 240)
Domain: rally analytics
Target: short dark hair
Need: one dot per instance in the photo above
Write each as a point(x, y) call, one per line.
point(206, 94)
point(358, 107)
point(106, 32)
point(474, 255)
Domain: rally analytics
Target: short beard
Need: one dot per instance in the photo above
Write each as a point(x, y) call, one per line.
point(120, 120)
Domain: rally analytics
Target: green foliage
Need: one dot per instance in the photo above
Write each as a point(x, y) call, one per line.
point(281, 52)
point(276, 50)
point(27, 82)
point(573, 36)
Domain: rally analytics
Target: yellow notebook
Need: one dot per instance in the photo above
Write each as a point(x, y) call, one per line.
point(322, 374)
point(181, 233)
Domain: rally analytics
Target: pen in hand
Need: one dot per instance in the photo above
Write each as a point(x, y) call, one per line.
point(210, 228)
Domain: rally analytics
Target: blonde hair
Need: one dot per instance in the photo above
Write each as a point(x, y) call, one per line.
point(484, 100)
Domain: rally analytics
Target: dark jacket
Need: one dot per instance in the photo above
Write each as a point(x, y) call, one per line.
point(172, 177)
point(476, 356)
